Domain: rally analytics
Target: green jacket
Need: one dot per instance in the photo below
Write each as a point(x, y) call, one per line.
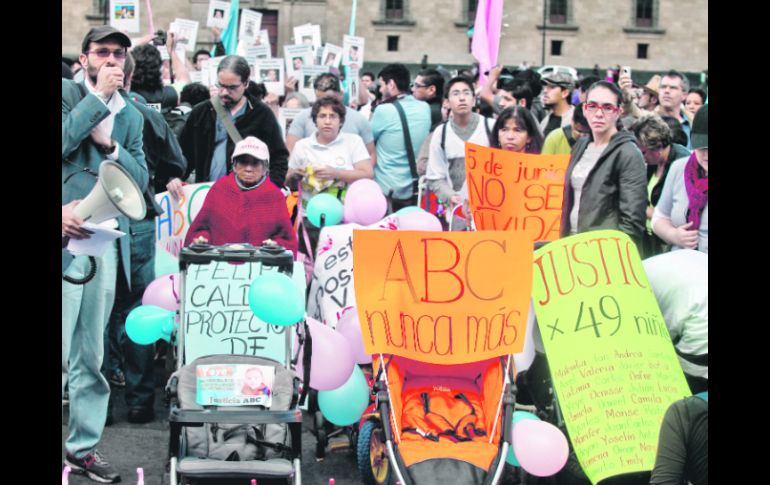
point(615, 193)
point(79, 115)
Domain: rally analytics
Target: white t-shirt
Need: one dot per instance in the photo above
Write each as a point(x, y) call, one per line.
point(680, 281)
point(342, 153)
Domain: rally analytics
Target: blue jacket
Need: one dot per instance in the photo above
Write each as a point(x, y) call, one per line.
point(79, 115)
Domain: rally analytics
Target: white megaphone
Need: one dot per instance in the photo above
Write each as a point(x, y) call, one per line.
point(115, 193)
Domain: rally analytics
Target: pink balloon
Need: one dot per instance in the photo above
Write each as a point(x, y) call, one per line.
point(362, 185)
point(419, 221)
point(350, 327)
point(331, 363)
point(365, 206)
point(163, 292)
point(347, 212)
point(540, 447)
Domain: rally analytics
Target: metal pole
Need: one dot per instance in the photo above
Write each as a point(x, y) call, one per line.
point(542, 58)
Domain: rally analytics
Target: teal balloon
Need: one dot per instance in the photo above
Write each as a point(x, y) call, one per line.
point(165, 263)
point(523, 415)
point(408, 209)
point(146, 324)
point(346, 404)
point(511, 458)
point(275, 299)
point(518, 416)
point(324, 204)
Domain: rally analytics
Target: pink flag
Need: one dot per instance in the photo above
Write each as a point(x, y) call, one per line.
point(486, 35)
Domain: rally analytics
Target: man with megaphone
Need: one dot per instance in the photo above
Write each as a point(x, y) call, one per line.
point(97, 125)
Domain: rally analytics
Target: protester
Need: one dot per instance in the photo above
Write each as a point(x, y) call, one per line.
point(428, 86)
point(191, 95)
point(680, 282)
point(516, 131)
point(205, 141)
point(681, 215)
point(164, 161)
point(148, 82)
point(330, 159)
point(199, 57)
point(683, 444)
point(557, 89)
point(604, 187)
point(445, 172)
point(673, 91)
point(696, 98)
point(678, 135)
point(395, 167)
point(561, 140)
point(654, 138)
point(97, 123)
point(244, 206)
point(328, 84)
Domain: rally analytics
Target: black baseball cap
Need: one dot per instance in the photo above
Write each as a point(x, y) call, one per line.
point(101, 32)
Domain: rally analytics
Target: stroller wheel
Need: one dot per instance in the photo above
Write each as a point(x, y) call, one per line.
point(373, 461)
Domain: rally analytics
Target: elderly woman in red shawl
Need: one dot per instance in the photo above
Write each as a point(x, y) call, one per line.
point(244, 206)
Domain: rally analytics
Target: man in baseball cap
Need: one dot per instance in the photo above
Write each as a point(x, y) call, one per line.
point(557, 92)
point(97, 124)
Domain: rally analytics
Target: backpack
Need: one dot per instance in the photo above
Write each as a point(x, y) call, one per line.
point(176, 118)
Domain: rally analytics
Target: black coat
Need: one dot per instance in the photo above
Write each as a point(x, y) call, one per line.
point(614, 195)
point(197, 139)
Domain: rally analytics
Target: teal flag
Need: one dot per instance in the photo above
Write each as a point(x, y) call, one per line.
point(230, 34)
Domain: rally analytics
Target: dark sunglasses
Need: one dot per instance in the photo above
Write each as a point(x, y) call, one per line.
point(104, 52)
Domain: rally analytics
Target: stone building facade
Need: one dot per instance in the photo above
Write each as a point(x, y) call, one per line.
point(648, 35)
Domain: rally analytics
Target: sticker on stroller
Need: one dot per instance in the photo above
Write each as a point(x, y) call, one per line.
point(218, 319)
point(614, 368)
point(515, 191)
point(234, 385)
point(443, 298)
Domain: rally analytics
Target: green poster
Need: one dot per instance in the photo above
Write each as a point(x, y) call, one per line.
point(613, 365)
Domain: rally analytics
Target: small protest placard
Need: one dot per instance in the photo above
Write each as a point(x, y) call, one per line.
point(612, 362)
point(297, 57)
point(124, 15)
point(218, 14)
point(353, 51)
point(234, 385)
point(307, 78)
point(210, 66)
point(442, 297)
point(270, 72)
point(308, 34)
point(251, 23)
point(332, 56)
point(512, 191)
point(186, 33)
point(286, 118)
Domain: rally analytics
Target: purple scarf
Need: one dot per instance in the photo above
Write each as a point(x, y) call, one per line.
point(697, 188)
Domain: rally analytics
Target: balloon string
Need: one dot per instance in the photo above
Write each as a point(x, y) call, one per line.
point(173, 288)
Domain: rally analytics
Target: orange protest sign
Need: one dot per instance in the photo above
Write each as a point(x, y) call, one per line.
point(519, 192)
point(442, 297)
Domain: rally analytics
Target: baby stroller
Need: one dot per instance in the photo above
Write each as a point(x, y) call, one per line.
point(440, 423)
point(217, 443)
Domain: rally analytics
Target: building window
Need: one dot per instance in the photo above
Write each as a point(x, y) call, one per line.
point(556, 47)
point(557, 12)
point(641, 51)
point(470, 10)
point(394, 9)
point(392, 43)
point(644, 13)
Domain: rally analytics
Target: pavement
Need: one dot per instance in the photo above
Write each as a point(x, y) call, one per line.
point(128, 446)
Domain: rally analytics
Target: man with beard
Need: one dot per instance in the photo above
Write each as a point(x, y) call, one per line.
point(205, 141)
point(557, 92)
point(97, 123)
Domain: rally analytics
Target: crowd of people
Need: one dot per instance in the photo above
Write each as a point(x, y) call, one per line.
point(629, 170)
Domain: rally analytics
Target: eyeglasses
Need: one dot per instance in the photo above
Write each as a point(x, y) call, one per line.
point(465, 92)
point(229, 87)
point(607, 109)
point(418, 85)
point(105, 52)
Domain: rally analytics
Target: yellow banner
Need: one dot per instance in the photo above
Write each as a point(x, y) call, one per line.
point(442, 297)
point(613, 365)
point(518, 192)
